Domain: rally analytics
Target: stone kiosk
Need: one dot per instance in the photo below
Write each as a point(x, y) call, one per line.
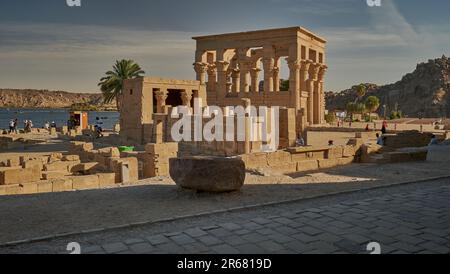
point(232, 65)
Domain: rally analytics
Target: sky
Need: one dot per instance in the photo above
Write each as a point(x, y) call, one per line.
point(46, 44)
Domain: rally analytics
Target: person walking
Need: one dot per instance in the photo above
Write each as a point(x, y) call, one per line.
point(11, 126)
point(16, 123)
point(384, 128)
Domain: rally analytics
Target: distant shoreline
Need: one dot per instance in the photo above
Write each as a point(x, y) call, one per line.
point(50, 108)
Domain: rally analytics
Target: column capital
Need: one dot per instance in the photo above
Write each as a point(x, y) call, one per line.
point(186, 97)
point(293, 64)
point(161, 94)
point(212, 69)
point(268, 63)
point(323, 69)
point(222, 66)
point(305, 64)
point(200, 67)
point(235, 72)
point(314, 71)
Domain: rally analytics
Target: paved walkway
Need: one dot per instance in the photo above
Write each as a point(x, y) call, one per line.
point(402, 219)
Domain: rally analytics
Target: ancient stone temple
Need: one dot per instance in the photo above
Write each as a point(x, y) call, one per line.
point(230, 68)
point(232, 65)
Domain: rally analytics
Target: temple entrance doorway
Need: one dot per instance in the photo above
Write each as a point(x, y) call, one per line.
point(174, 98)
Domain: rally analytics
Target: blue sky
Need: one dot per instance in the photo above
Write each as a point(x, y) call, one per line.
point(46, 44)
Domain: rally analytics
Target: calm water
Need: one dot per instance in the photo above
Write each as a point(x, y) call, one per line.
point(60, 116)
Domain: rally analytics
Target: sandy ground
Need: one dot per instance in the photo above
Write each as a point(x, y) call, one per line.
point(29, 216)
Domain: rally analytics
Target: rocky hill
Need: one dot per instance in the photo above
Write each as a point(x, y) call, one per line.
point(29, 98)
point(422, 93)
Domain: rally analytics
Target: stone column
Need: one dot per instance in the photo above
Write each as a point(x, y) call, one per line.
point(161, 96)
point(201, 68)
point(313, 99)
point(321, 95)
point(212, 78)
point(244, 67)
point(268, 64)
point(235, 78)
point(294, 81)
point(186, 97)
point(222, 70)
point(304, 68)
point(254, 72)
point(276, 79)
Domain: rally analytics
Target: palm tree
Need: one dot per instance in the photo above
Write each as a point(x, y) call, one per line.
point(360, 92)
point(112, 84)
point(372, 104)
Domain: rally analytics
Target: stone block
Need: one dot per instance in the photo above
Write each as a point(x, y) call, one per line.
point(207, 173)
point(162, 149)
point(334, 152)
point(348, 151)
point(71, 158)
point(85, 182)
point(307, 165)
point(126, 169)
point(37, 164)
point(63, 184)
point(44, 187)
point(109, 152)
point(55, 157)
point(345, 161)
point(10, 189)
point(284, 169)
point(57, 166)
point(278, 158)
point(297, 157)
point(49, 175)
point(254, 160)
point(18, 175)
point(327, 163)
point(13, 162)
point(28, 188)
point(87, 168)
point(106, 179)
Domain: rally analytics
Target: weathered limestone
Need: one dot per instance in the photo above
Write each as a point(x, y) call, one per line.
point(106, 179)
point(85, 182)
point(63, 184)
point(18, 175)
point(156, 159)
point(208, 173)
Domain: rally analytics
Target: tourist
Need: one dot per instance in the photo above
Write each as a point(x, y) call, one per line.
point(330, 143)
point(11, 126)
point(47, 125)
point(384, 127)
point(28, 126)
point(300, 142)
point(53, 124)
point(16, 123)
point(380, 140)
point(367, 127)
point(98, 131)
point(434, 141)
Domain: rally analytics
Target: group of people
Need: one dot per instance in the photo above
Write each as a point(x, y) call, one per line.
point(13, 126)
point(27, 125)
point(49, 125)
point(13, 123)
